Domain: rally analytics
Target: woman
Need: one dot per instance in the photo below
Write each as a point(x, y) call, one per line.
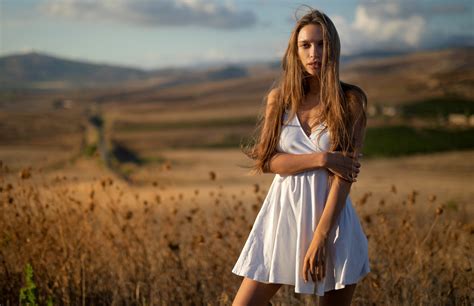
point(310, 137)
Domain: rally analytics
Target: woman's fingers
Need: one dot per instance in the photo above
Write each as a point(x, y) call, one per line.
point(320, 266)
point(311, 269)
point(349, 162)
point(342, 157)
point(323, 262)
point(316, 267)
point(347, 175)
point(344, 175)
point(305, 270)
point(309, 266)
point(355, 172)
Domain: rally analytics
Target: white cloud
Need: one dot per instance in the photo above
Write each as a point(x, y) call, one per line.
point(204, 13)
point(385, 23)
point(400, 24)
point(381, 25)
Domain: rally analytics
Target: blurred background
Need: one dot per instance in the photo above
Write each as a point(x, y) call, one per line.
point(162, 93)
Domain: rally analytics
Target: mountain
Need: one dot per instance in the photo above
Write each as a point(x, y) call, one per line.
point(45, 72)
point(390, 80)
point(37, 70)
point(21, 70)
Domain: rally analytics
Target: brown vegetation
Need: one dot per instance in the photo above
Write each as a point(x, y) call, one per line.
point(109, 244)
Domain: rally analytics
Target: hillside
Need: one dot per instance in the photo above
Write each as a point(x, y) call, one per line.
point(41, 71)
point(390, 80)
point(410, 77)
point(387, 79)
point(26, 69)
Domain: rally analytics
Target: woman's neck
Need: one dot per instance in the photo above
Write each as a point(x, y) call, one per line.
point(314, 86)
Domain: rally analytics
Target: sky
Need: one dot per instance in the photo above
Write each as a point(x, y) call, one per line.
point(151, 34)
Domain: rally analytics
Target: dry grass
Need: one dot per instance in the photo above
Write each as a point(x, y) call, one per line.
point(106, 243)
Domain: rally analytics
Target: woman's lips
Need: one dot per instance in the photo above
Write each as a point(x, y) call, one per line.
point(315, 64)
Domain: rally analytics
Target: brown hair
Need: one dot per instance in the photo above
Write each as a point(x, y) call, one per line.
point(342, 103)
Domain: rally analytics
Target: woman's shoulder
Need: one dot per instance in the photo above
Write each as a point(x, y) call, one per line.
point(355, 95)
point(273, 95)
point(272, 99)
point(356, 99)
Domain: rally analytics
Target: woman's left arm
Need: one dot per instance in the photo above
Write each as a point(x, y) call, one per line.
point(340, 188)
point(338, 193)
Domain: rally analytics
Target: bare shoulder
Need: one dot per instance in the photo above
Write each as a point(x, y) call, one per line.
point(357, 102)
point(273, 96)
point(356, 96)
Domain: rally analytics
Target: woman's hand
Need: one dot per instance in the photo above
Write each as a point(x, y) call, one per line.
point(344, 165)
point(315, 260)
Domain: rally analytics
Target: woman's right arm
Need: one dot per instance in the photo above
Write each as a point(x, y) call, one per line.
point(288, 164)
point(342, 165)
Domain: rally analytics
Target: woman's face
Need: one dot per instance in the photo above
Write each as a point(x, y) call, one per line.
point(310, 47)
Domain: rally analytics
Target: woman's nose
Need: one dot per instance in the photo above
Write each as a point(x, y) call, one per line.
point(313, 52)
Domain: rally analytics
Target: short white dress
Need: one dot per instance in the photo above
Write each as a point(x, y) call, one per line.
point(284, 227)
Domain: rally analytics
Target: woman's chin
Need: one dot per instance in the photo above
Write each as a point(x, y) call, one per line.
point(312, 72)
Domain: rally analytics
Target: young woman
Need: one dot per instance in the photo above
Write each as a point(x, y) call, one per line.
point(311, 136)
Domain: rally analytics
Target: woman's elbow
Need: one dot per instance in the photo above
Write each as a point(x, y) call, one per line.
point(272, 168)
point(266, 170)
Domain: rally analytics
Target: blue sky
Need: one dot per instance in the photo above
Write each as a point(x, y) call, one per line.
point(162, 33)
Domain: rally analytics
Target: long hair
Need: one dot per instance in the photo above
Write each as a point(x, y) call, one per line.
point(339, 99)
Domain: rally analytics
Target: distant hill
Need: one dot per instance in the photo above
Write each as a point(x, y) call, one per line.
point(415, 75)
point(228, 72)
point(37, 70)
point(388, 80)
point(25, 69)
point(380, 72)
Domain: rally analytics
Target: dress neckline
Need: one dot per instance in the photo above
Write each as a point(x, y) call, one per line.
point(303, 131)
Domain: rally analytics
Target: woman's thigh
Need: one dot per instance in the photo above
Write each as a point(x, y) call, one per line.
point(338, 297)
point(252, 292)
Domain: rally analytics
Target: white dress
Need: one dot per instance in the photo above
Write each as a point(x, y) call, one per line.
point(284, 227)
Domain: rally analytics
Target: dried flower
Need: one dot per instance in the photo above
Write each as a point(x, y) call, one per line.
point(25, 173)
point(367, 219)
point(394, 189)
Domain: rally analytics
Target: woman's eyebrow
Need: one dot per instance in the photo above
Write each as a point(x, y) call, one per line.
point(308, 40)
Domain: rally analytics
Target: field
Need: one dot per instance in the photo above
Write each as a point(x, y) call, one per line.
point(175, 240)
point(141, 196)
